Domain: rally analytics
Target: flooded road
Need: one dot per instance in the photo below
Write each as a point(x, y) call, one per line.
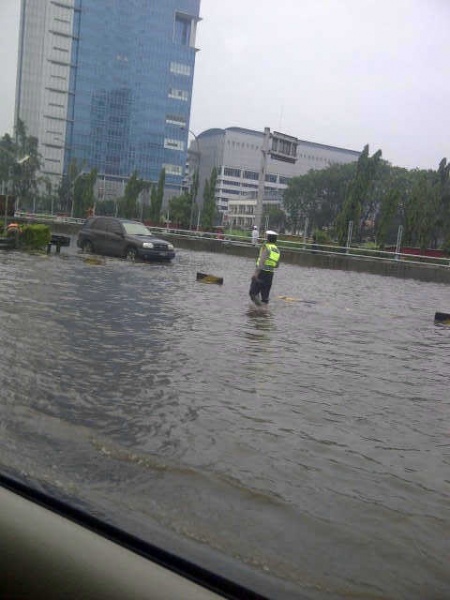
point(309, 443)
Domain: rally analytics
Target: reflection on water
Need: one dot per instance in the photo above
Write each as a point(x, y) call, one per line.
point(309, 441)
point(260, 323)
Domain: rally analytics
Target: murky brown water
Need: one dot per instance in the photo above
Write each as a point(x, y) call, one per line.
point(310, 444)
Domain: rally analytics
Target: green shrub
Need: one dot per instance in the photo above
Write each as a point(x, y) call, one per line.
point(446, 247)
point(321, 236)
point(35, 237)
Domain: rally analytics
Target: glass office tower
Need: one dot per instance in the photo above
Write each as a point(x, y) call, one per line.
point(108, 83)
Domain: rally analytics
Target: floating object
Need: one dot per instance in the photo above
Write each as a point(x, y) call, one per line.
point(204, 278)
point(291, 299)
point(288, 299)
point(58, 241)
point(442, 318)
point(92, 260)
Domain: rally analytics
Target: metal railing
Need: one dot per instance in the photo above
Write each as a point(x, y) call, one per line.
point(47, 217)
point(301, 246)
point(311, 247)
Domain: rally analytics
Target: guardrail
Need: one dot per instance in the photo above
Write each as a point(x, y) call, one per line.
point(47, 218)
point(294, 246)
point(311, 247)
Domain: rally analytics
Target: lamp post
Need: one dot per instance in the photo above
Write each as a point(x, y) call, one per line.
point(262, 177)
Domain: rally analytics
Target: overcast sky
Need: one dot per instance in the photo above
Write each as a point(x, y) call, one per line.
point(339, 72)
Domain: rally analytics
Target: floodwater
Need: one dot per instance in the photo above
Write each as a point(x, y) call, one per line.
point(309, 443)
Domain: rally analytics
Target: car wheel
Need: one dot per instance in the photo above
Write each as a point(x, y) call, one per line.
point(131, 253)
point(88, 247)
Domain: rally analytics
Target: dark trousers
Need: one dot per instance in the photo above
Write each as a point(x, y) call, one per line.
point(262, 285)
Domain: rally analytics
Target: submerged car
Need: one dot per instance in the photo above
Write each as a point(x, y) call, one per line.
point(122, 237)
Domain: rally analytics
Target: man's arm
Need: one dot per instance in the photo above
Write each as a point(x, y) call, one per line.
point(261, 260)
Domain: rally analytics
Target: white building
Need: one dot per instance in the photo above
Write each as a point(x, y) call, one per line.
point(239, 156)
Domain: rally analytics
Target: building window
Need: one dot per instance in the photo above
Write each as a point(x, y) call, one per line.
point(173, 144)
point(178, 94)
point(173, 169)
point(271, 178)
point(251, 175)
point(182, 30)
point(180, 68)
point(176, 120)
point(228, 172)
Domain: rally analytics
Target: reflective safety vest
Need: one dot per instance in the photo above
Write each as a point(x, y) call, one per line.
point(271, 261)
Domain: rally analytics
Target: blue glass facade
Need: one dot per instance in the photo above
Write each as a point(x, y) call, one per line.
point(132, 73)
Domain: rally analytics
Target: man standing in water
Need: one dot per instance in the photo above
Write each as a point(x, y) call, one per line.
point(266, 264)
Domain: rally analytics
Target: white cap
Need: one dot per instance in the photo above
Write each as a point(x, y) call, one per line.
point(254, 227)
point(270, 232)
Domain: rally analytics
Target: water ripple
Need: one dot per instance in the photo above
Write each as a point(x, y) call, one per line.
point(316, 429)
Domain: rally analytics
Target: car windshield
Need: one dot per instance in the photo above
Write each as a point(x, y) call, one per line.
point(133, 228)
point(278, 412)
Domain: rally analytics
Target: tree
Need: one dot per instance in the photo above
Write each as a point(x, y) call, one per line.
point(276, 218)
point(25, 180)
point(21, 174)
point(180, 210)
point(7, 156)
point(420, 210)
point(442, 227)
point(83, 193)
point(156, 198)
point(392, 189)
point(128, 205)
point(209, 201)
point(388, 210)
point(66, 187)
point(48, 198)
point(106, 208)
point(193, 197)
point(359, 196)
point(317, 196)
point(298, 202)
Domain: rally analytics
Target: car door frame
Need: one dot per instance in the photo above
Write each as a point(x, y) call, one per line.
point(114, 238)
point(96, 234)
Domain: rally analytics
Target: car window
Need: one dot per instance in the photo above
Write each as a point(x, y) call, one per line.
point(134, 228)
point(114, 227)
point(99, 224)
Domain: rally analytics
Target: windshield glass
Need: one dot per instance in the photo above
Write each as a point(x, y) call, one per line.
point(135, 228)
point(273, 406)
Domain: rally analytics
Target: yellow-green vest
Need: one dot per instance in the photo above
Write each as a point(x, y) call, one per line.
point(271, 261)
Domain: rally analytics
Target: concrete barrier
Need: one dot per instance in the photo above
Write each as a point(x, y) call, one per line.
point(404, 268)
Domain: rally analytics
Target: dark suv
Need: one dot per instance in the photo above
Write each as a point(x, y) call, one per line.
point(124, 238)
